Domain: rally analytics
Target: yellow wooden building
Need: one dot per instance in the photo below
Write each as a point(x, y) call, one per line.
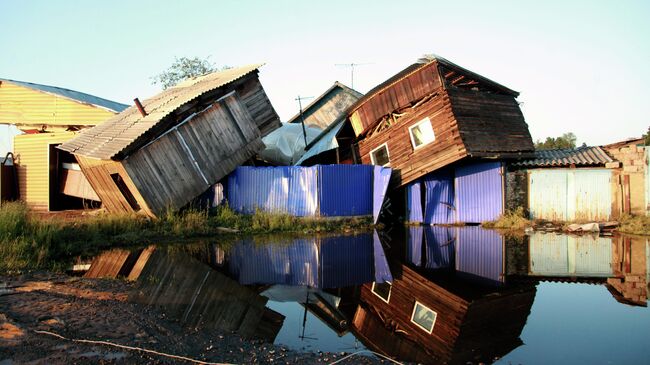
point(48, 178)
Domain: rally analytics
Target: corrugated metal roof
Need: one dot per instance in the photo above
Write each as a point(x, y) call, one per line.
point(108, 139)
point(581, 156)
point(73, 95)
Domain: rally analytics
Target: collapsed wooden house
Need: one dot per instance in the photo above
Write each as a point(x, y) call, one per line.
point(434, 113)
point(162, 153)
point(49, 179)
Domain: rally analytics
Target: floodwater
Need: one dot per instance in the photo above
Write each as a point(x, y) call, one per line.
point(421, 294)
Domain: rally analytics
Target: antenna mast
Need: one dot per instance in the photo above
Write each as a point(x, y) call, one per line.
point(351, 66)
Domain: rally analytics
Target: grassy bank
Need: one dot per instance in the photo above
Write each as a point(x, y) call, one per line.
point(635, 224)
point(27, 242)
point(510, 220)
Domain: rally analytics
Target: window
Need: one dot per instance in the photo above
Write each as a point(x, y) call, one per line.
point(423, 317)
point(382, 290)
point(421, 133)
point(379, 156)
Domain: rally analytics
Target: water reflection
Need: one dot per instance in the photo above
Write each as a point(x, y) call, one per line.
point(426, 294)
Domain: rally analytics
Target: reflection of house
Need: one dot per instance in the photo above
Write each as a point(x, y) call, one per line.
point(192, 293)
point(630, 270)
point(473, 253)
point(50, 179)
point(415, 319)
point(435, 113)
point(172, 147)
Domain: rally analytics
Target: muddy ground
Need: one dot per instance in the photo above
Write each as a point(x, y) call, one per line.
point(97, 309)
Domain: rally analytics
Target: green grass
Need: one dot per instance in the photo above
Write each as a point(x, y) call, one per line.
point(635, 224)
point(27, 242)
point(510, 220)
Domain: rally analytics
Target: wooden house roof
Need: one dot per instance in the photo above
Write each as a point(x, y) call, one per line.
point(72, 95)
point(114, 136)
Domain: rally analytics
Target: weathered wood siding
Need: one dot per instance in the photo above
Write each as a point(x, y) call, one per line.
point(489, 123)
point(328, 109)
point(27, 107)
point(184, 162)
point(98, 173)
point(411, 287)
point(32, 152)
point(258, 104)
point(409, 163)
point(395, 96)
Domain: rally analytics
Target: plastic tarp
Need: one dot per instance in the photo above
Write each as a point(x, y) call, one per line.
point(286, 145)
point(326, 141)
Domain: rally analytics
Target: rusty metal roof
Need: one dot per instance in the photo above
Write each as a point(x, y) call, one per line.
point(110, 138)
point(581, 156)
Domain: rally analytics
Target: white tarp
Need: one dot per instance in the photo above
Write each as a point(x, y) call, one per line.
point(285, 145)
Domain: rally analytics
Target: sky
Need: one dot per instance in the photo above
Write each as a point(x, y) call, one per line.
point(580, 66)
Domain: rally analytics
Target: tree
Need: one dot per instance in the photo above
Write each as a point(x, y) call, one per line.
point(646, 137)
point(567, 140)
point(183, 68)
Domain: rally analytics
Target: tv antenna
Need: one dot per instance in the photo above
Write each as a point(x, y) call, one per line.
point(351, 66)
point(302, 118)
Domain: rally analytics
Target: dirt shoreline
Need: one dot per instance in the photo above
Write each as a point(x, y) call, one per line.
point(98, 309)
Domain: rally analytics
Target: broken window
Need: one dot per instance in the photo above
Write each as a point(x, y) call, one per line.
point(421, 133)
point(423, 317)
point(382, 290)
point(121, 185)
point(379, 156)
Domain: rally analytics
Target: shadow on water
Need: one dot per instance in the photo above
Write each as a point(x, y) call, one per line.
point(425, 294)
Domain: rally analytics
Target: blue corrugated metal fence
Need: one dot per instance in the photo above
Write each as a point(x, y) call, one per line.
point(325, 190)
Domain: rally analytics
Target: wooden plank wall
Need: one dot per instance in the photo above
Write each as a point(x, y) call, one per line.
point(451, 310)
point(98, 173)
point(412, 87)
point(489, 122)
point(220, 139)
point(258, 104)
point(409, 163)
point(328, 109)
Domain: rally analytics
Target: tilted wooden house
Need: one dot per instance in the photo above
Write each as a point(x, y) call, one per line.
point(328, 107)
point(49, 179)
point(174, 146)
point(434, 113)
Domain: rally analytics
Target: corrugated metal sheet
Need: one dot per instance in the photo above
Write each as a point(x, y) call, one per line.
point(345, 190)
point(562, 255)
point(414, 202)
point(439, 197)
point(108, 139)
point(440, 246)
point(32, 152)
point(381, 179)
point(285, 189)
point(479, 254)
point(382, 270)
point(569, 194)
point(581, 156)
point(347, 261)
point(479, 192)
point(329, 262)
point(72, 95)
point(414, 242)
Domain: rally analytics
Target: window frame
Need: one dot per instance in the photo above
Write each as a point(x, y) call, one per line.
point(390, 290)
point(426, 119)
point(435, 317)
point(372, 157)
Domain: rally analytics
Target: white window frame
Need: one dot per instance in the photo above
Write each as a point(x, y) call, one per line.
point(416, 125)
point(372, 156)
point(390, 291)
point(435, 317)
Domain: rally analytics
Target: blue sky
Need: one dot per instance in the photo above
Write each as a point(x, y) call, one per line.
point(580, 66)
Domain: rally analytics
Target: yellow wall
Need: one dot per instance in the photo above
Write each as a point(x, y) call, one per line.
point(32, 162)
point(27, 107)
